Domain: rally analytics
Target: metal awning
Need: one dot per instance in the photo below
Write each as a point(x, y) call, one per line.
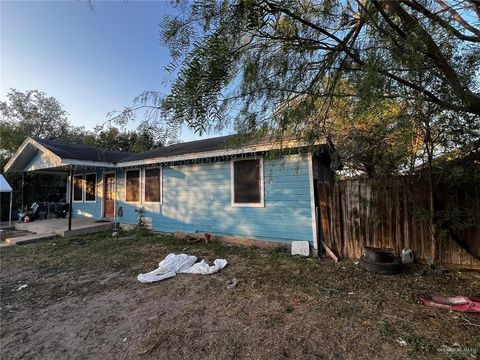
point(4, 185)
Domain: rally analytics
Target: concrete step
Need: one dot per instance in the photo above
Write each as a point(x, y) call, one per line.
point(25, 239)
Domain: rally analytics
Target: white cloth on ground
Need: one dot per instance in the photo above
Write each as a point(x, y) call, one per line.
point(182, 263)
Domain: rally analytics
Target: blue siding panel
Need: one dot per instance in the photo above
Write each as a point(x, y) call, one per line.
point(40, 161)
point(197, 198)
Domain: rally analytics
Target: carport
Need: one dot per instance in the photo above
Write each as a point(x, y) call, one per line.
point(49, 157)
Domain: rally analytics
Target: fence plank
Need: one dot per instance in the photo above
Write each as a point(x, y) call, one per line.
point(358, 213)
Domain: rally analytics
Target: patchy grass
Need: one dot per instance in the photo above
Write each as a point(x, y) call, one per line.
point(82, 299)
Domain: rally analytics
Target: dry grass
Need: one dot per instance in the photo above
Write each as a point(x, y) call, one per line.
point(83, 301)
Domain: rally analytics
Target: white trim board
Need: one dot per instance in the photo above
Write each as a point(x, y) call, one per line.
point(312, 201)
point(223, 152)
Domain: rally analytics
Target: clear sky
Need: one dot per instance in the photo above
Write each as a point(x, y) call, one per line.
point(91, 61)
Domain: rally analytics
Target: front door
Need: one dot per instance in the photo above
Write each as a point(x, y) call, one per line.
point(109, 196)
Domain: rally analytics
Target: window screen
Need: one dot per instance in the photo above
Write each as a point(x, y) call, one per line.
point(152, 185)
point(90, 187)
point(77, 187)
point(247, 181)
point(133, 186)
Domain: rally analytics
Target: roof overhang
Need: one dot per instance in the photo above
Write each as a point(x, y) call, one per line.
point(26, 157)
point(21, 161)
point(291, 144)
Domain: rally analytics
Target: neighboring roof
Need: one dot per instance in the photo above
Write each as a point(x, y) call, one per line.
point(83, 152)
point(4, 185)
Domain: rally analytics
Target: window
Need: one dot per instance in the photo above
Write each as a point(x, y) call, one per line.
point(132, 186)
point(90, 187)
point(77, 187)
point(247, 182)
point(152, 185)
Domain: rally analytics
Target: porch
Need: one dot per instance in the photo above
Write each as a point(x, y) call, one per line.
point(50, 228)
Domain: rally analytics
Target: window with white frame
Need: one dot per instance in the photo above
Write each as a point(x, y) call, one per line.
point(247, 182)
point(132, 186)
point(78, 187)
point(152, 185)
point(91, 187)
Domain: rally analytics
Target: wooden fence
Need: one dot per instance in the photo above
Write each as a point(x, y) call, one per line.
point(358, 213)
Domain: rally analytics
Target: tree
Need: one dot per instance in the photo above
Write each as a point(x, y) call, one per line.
point(32, 113)
point(145, 137)
point(242, 60)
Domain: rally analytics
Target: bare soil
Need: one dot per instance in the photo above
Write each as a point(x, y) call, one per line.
point(83, 301)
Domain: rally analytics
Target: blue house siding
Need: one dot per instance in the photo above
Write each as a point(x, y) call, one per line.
point(197, 198)
point(41, 161)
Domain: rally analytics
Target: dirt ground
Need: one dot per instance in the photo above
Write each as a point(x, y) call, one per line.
point(82, 301)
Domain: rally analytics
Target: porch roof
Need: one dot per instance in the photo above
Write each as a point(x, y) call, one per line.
point(47, 155)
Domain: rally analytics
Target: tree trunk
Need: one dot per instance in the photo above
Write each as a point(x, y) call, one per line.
point(431, 203)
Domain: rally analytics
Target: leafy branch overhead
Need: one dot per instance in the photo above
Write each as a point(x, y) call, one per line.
point(251, 60)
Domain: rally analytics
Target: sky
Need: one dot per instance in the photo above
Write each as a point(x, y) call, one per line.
point(92, 61)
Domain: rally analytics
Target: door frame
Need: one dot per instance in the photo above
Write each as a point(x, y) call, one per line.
point(114, 192)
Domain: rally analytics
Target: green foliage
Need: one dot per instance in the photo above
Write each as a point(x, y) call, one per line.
point(366, 73)
point(113, 138)
point(252, 57)
point(32, 113)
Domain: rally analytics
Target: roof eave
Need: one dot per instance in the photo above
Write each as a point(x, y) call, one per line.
point(292, 144)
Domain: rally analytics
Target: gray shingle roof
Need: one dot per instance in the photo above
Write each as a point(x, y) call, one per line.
point(190, 147)
point(89, 153)
point(83, 152)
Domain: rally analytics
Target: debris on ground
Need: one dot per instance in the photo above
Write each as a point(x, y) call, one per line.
point(301, 248)
point(181, 263)
point(232, 284)
point(381, 261)
point(22, 287)
point(401, 342)
point(330, 252)
point(455, 303)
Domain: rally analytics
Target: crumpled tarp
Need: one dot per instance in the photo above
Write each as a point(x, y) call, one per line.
point(181, 263)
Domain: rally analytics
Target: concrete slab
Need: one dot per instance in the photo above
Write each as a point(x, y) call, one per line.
point(25, 239)
point(60, 226)
point(300, 248)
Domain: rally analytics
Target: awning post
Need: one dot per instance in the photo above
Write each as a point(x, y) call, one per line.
point(70, 205)
point(10, 213)
point(23, 189)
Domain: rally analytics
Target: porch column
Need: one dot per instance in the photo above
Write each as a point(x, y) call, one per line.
point(23, 189)
point(10, 212)
point(70, 205)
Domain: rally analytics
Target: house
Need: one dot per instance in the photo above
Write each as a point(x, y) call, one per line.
point(263, 190)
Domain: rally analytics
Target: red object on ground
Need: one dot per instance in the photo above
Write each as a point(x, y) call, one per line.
point(455, 303)
point(295, 302)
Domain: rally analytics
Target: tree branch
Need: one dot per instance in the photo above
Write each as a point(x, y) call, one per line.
point(456, 16)
point(420, 8)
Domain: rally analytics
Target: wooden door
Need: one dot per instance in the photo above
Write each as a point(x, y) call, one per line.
point(109, 196)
